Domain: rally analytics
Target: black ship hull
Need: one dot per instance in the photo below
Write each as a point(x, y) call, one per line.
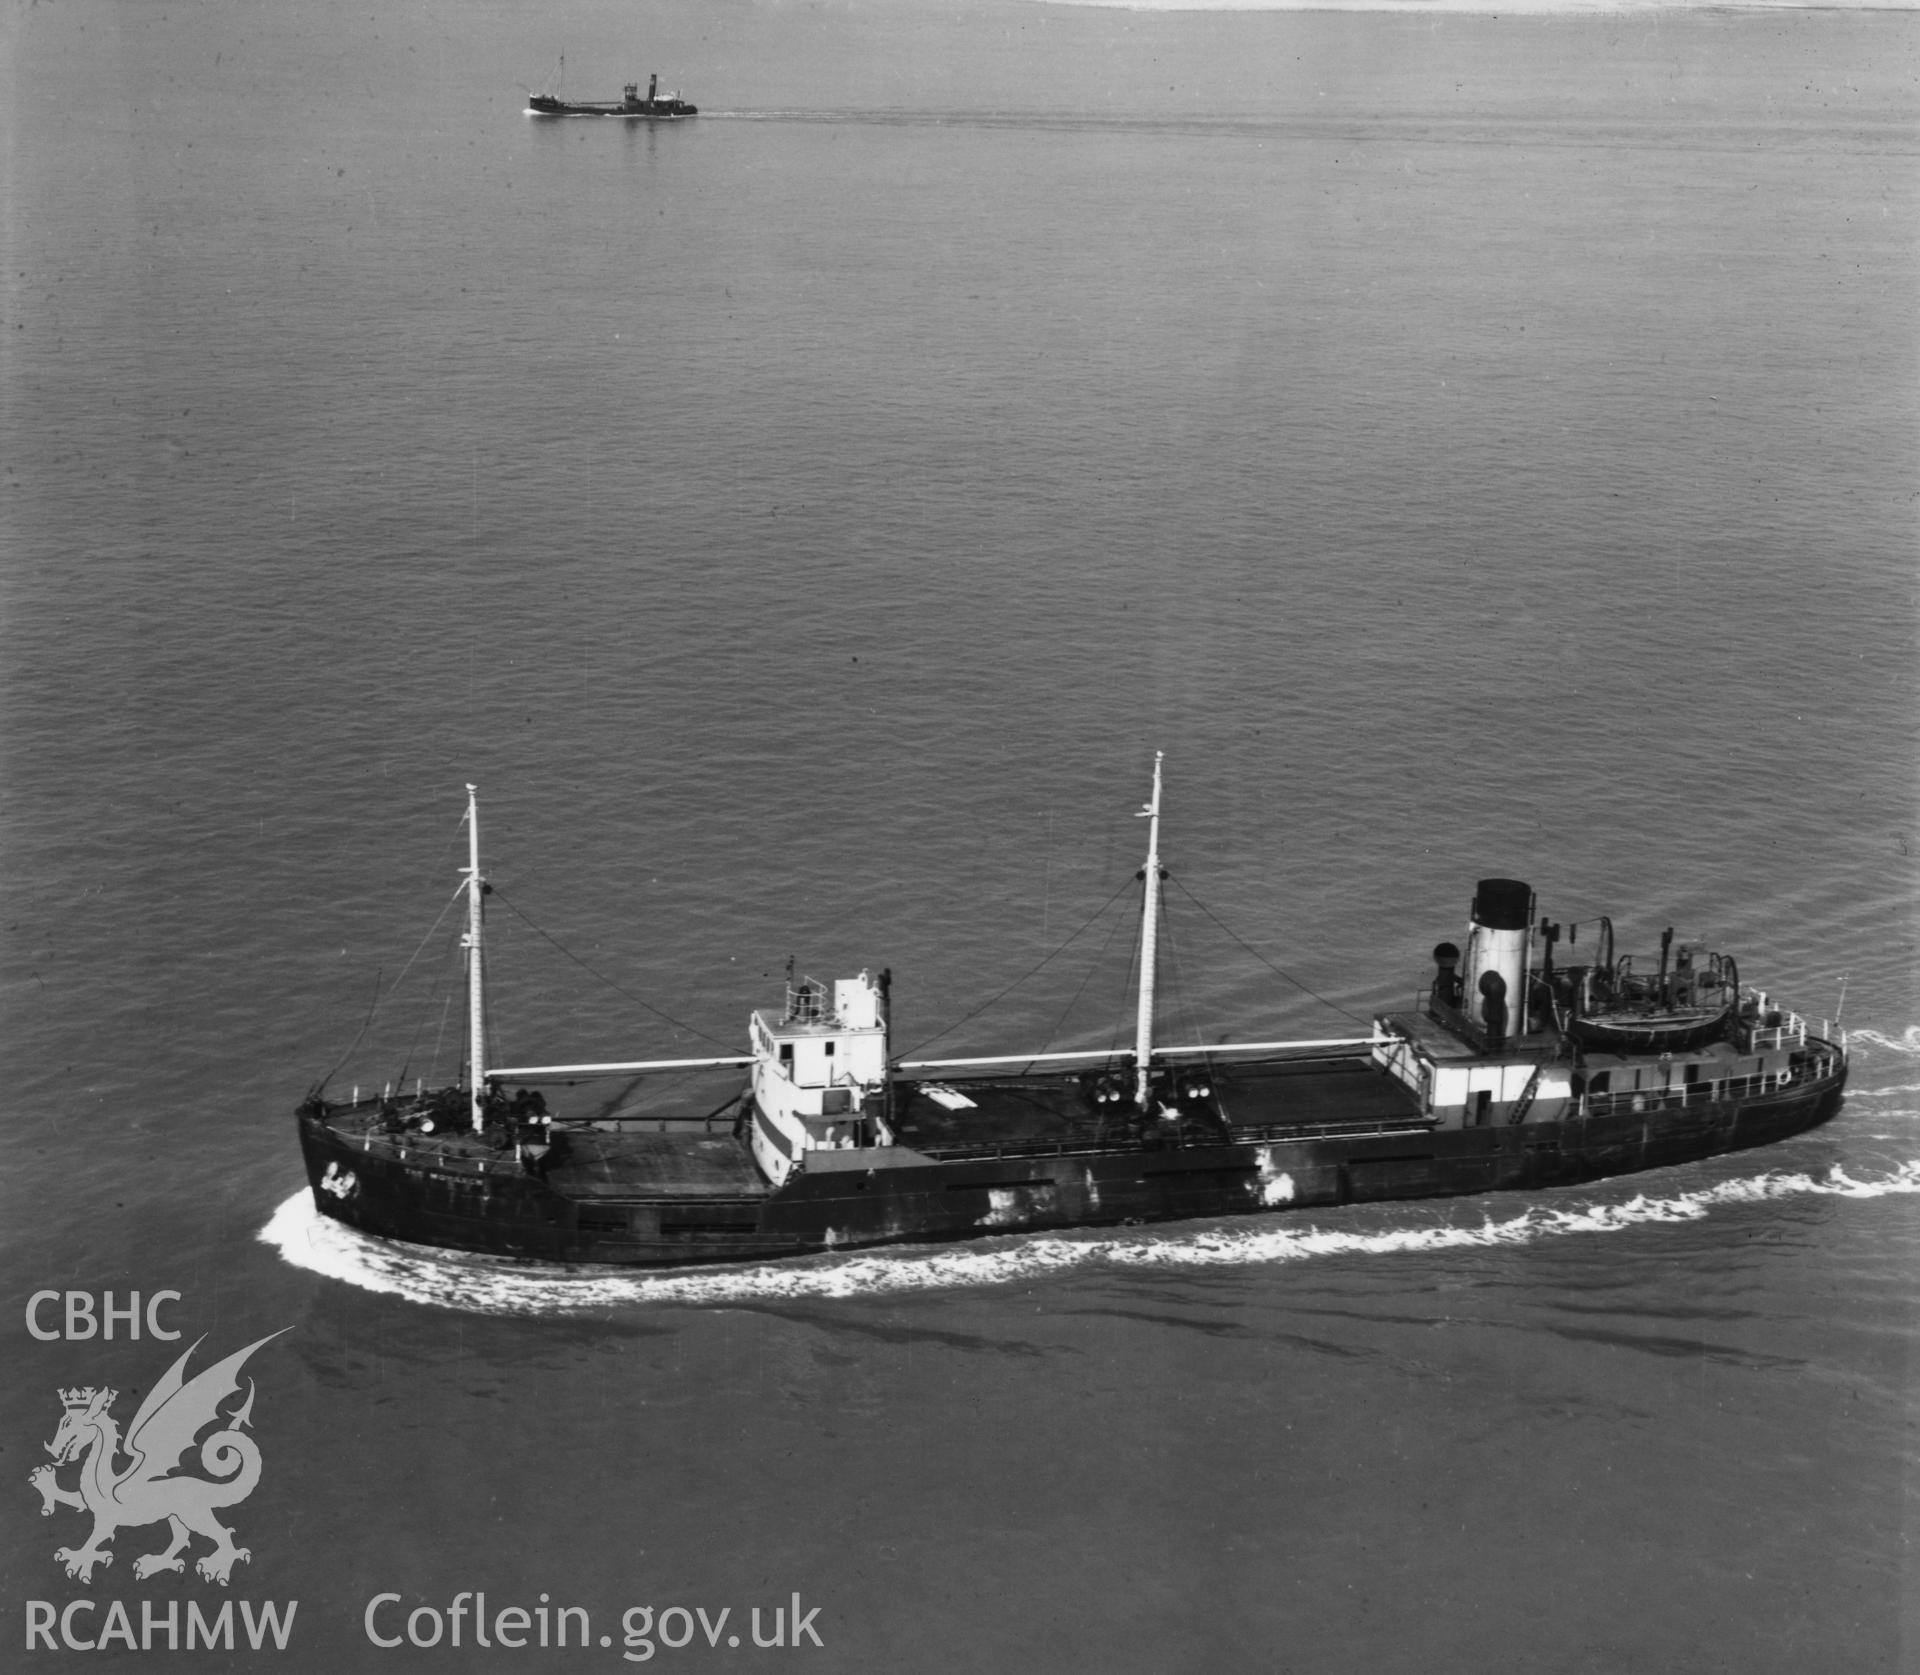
point(834, 1144)
point(399, 1186)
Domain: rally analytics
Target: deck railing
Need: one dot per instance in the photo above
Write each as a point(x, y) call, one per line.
point(1791, 1031)
point(1814, 1068)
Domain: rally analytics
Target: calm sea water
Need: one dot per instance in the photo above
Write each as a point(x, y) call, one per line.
point(1464, 444)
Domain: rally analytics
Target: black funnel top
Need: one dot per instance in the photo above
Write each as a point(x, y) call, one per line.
point(1503, 904)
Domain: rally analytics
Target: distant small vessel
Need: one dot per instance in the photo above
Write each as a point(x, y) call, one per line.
point(655, 107)
point(1509, 1073)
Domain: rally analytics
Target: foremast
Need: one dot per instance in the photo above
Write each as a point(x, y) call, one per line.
point(1149, 944)
point(476, 997)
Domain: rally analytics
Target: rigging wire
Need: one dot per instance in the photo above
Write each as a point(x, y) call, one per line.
point(373, 1006)
point(445, 1008)
point(1002, 995)
point(449, 955)
point(604, 978)
point(1092, 966)
point(1179, 1013)
point(1289, 976)
point(1091, 920)
point(1133, 965)
point(459, 890)
point(494, 1049)
point(446, 984)
point(391, 987)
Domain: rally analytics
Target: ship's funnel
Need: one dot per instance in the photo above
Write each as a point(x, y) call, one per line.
point(1497, 946)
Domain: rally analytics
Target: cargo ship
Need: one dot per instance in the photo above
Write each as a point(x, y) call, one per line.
point(1509, 1072)
point(654, 107)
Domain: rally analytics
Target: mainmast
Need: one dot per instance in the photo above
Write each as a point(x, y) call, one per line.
point(476, 1007)
point(1149, 938)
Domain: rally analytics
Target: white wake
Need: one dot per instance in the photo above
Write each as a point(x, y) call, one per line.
point(309, 1240)
point(1908, 1042)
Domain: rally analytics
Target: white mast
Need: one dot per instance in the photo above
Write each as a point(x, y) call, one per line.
point(1149, 939)
point(476, 1009)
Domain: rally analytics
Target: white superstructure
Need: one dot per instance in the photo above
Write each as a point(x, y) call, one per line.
point(819, 1072)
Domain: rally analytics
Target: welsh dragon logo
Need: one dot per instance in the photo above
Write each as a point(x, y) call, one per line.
point(144, 1491)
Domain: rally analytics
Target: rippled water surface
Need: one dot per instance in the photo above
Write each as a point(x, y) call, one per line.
point(1465, 445)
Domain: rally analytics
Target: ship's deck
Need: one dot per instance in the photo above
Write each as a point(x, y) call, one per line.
point(1247, 1102)
point(672, 1165)
point(669, 1157)
point(669, 1154)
